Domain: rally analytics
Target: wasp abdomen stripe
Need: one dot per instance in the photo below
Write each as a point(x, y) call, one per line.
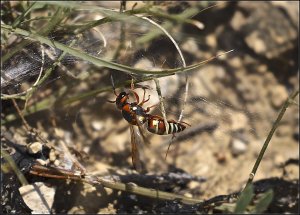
point(157, 126)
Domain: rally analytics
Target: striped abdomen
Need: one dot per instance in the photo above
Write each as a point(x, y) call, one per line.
point(156, 125)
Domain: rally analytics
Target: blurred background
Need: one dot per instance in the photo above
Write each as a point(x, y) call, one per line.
point(232, 103)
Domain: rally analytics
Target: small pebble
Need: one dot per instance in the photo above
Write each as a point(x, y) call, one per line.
point(56, 163)
point(193, 185)
point(52, 155)
point(278, 95)
point(42, 162)
point(238, 147)
point(35, 147)
point(189, 195)
point(279, 160)
point(97, 125)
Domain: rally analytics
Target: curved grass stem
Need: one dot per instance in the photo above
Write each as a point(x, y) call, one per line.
point(98, 61)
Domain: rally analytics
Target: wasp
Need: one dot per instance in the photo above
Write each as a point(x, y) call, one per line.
point(136, 115)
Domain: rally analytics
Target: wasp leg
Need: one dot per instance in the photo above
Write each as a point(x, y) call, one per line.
point(136, 96)
point(184, 123)
point(173, 136)
point(148, 108)
point(144, 101)
point(113, 85)
point(111, 101)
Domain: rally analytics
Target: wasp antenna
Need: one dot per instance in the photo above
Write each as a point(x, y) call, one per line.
point(168, 150)
point(169, 146)
point(111, 101)
point(185, 123)
point(113, 84)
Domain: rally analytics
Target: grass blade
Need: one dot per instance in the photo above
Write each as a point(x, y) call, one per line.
point(264, 202)
point(244, 199)
point(98, 61)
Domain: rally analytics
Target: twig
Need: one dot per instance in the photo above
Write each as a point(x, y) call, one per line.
point(21, 115)
point(51, 172)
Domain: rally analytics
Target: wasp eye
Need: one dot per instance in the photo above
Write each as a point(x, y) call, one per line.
point(122, 94)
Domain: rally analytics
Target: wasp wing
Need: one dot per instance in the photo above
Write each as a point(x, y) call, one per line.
point(135, 154)
point(141, 131)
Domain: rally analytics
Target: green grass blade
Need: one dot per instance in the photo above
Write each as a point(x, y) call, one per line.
point(55, 21)
point(264, 202)
point(13, 166)
point(98, 61)
point(244, 199)
point(23, 15)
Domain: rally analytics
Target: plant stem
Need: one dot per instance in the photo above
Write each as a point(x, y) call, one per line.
point(267, 141)
point(57, 173)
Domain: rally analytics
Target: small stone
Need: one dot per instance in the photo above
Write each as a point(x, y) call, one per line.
point(262, 68)
point(144, 63)
point(220, 156)
point(193, 185)
point(108, 191)
point(284, 131)
point(56, 163)
point(189, 195)
point(236, 62)
point(291, 172)
point(108, 210)
point(38, 197)
point(59, 132)
point(279, 160)
point(278, 95)
point(239, 121)
point(42, 162)
point(52, 155)
point(35, 147)
point(211, 40)
point(97, 125)
point(238, 147)
point(256, 43)
point(237, 21)
point(190, 46)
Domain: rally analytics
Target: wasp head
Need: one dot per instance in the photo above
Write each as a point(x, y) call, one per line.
point(121, 100)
